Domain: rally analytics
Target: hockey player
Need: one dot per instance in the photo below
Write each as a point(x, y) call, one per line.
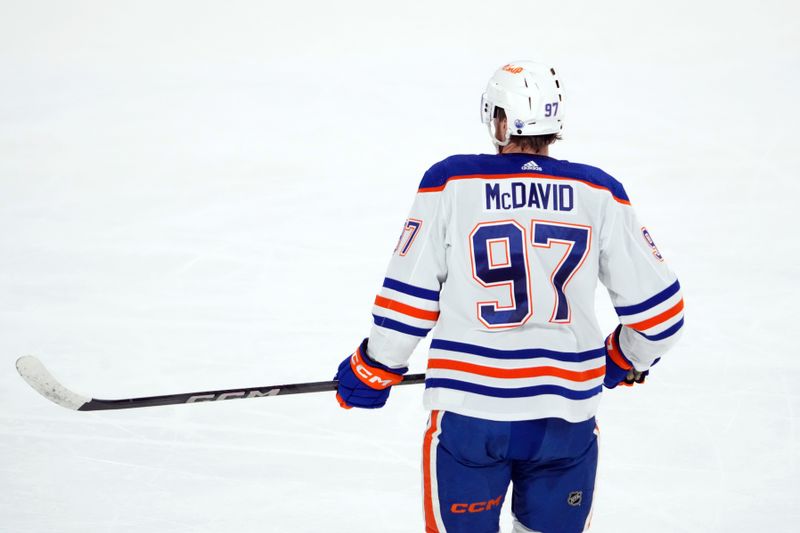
point(502, 253)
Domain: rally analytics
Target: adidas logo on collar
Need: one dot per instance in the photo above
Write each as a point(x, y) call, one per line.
point(531, 165)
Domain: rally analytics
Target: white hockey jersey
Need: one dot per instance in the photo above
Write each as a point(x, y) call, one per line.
point(500, 256)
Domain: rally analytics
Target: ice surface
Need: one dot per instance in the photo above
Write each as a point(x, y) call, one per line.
point(203, 195)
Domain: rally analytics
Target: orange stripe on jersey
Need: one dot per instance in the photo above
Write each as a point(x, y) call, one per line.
point(416, 312)
point(510, 373)
point(517, 176)
point(658, 319)
point(427, 487)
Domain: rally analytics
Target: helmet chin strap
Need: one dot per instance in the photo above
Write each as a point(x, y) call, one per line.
point(492, 134)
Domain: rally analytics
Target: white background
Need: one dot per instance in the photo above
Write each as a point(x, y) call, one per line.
point(204, 194)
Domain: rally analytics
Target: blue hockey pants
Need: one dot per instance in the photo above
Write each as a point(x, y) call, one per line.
point(468, 464)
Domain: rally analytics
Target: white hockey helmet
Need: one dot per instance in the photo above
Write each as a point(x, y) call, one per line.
point(531, 96)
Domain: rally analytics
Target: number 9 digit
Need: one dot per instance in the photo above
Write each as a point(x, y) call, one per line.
point(500, 258)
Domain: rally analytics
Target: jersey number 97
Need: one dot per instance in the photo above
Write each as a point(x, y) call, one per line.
point(499, 257)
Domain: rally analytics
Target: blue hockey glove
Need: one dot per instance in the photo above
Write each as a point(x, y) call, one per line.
point(365, 383)
point(619, 369)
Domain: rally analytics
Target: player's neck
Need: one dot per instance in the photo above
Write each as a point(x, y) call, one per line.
point(512, 148)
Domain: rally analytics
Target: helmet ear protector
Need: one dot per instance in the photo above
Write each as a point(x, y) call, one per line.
point(488, 112)
point(487, 109)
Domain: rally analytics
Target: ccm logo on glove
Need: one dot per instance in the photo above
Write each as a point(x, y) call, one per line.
point(374, 377)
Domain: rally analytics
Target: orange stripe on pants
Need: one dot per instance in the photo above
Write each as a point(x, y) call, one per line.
point(427, 485)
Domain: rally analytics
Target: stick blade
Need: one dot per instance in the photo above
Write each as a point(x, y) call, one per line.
point(37, 376)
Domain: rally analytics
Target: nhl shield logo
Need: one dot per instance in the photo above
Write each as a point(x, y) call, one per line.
point(575, 498)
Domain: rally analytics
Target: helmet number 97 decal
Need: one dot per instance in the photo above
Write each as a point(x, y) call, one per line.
point(551, 110)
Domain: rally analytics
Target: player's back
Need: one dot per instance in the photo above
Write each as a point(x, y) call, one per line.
point(506, 250)
point(517, 309)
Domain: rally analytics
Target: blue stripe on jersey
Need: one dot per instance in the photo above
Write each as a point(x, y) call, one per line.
point(669, 332)
point(661, 297)
point(384, 322)
point(520, 392)
point(411, 290)
point(527, 353)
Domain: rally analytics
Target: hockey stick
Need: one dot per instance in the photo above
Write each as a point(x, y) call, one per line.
point(34, 372)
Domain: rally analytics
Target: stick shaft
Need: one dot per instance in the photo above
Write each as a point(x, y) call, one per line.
point(96, 404)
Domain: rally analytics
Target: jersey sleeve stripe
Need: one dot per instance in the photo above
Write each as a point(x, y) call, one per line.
point(399, 326)
point(525, 353)
point(659, 328)
point(520, 392)
point(650, 302)
point(405, 319)
point(619, 196)
point(512, 373)
point(413, 301)
point(411, 290)
point(409, 310)
point(658, 319)
point(669, 332)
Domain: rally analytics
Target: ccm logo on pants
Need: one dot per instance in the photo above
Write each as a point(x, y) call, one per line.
point(477, 507)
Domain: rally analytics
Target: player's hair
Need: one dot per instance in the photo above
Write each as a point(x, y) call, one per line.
point(529, 142)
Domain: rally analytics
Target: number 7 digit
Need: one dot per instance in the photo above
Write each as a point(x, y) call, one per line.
point(410, 231)
point(577, 238)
